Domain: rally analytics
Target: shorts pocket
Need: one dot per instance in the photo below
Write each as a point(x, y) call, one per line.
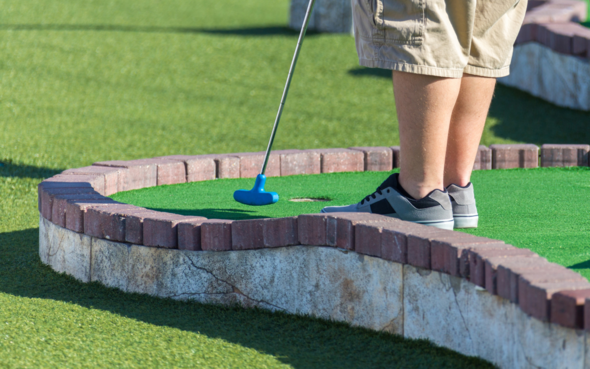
point(402, 20)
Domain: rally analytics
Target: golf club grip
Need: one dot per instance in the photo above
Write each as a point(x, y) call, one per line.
point(288, 84)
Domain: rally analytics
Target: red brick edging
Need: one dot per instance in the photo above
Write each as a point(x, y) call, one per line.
point(554, 23)
point(75, 199)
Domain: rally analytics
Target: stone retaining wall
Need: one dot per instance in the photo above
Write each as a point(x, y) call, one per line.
point(329, 265)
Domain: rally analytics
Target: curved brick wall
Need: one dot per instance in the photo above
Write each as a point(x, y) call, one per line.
point(75, 202)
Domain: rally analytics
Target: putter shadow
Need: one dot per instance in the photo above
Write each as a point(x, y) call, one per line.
point(264, 31)
point(210, 213)
point(300, 342)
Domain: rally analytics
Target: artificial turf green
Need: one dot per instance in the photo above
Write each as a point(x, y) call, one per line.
point(84, 81)
point(543, 209)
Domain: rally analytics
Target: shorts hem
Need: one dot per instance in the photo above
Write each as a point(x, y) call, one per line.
point(485, 72)
point(412, 68)
point(435, 71)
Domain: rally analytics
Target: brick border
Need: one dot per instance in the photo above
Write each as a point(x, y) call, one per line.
point(75, 200)
point(554, 23)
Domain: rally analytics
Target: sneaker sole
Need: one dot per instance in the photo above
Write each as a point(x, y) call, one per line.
point(442, 224)
point(466, 221)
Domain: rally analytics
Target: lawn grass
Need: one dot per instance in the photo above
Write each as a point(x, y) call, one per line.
point(543, 209)
point(85, 81)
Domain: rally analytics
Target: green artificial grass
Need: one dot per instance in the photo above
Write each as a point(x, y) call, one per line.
point(85, 81)
point(544, 209)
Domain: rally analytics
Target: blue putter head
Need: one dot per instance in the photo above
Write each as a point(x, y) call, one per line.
point(256, 196)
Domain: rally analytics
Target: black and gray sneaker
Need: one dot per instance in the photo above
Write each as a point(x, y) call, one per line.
point(464, 209)
point(392, 200)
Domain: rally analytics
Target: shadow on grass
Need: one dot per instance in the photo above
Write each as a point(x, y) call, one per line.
point(10, 169)
point(232, 214)
point(580, 266)
point(244, 31)
point(522, 117)
point(301, 342)
point(525, 118)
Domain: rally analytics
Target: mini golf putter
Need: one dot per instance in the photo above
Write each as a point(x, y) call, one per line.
point(257, 195)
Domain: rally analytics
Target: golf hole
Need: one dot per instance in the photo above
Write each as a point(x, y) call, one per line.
point(309, 199)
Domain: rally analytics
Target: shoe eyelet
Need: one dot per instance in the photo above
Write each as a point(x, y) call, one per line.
point(387, 191)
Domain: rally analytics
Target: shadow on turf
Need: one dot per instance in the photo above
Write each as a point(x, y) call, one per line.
point(301, 342)
point(233, 214)
point(10, 169)
point(522, 117)
point(580, 266)
point(245, 31)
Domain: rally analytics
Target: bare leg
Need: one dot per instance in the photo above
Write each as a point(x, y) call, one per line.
point(424, 107)
point(467, 124)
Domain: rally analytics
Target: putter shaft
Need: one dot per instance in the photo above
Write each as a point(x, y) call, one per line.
point(288, 84)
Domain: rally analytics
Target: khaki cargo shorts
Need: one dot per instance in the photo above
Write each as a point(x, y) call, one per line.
point(443, 38)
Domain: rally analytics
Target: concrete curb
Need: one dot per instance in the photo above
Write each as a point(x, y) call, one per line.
point(73, 205)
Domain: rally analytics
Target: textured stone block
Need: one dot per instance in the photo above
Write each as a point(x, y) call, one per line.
point(341, 160)
point(376, 158)
point(368, 239)
point(561, 37)
point(47, 197)
point(544, 73)
point(452, 257)
point(228, 166)
point(189, 235)
point(247, 234)
point(395, 152)
point(134, 224)
point(59, 206)
point(295, 162)
point(76, 212)
point(567, 308)
point(587, 314)
point(168, 171)
point(311, 229)
point(515, 156)
point(280, 232)
point(140, 174)
point(506, 271)
point(394, 246)
point(535, 298)
point(216, 235)
point(528, 33)
point(72, 180)
point(106, 221)
point(564, 155)
point(65, 251)
point(110, 175)
point(581, 44)
point(483, 160)
point(419, 244)
point(557, 36)
point(340, 228)
point(160, 229)
point(110, 263)
point(477, 258)
point(451, 312)
point(251, 164)
point(197, 167)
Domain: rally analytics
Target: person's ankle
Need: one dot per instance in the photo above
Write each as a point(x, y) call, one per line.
point(418, 190)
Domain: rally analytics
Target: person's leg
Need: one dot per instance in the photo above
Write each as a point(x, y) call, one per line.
point(467, 124)
point(424, 107)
